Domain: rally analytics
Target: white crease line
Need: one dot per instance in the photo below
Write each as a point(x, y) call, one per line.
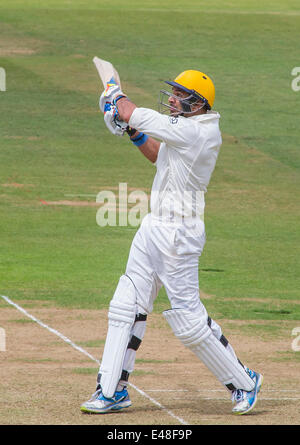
point(279, 398)
point(228, 399)
point(223, 398)
point(261, 398)
point(67, 340)
point(83, 351)
point(216, 390)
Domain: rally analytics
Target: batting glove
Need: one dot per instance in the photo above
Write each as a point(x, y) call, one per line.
point(111, 94)
point(111, 119)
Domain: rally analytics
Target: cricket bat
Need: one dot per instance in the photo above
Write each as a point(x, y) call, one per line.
point(106, 71)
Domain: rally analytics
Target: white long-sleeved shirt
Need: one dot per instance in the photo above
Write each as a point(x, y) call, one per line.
point(186, 159)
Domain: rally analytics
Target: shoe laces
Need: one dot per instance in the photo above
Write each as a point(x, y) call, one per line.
point(95, 395)
point(237, 395)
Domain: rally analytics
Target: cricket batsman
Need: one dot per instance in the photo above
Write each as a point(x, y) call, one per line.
point(182, 140)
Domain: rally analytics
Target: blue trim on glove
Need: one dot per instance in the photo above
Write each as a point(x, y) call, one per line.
point(107, 107)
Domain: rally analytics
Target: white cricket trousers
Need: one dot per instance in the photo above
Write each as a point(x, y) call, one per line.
point(166, 254)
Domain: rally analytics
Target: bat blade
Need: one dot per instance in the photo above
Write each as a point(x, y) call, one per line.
point(106, 71)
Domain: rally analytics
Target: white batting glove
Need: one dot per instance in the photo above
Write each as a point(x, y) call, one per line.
point(112, 122)
point(111, 92)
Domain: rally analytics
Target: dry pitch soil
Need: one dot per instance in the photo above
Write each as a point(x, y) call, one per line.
point(44, 380)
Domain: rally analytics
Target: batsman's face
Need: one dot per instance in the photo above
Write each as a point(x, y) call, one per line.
point(175, 101)
point(179, 102)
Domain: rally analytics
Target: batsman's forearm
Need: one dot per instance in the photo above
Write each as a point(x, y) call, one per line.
point(150, 149)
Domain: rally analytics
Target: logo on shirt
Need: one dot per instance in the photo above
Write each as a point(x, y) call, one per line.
point(173, 120)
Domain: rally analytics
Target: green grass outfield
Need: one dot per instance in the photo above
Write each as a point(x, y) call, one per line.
point(54, 144)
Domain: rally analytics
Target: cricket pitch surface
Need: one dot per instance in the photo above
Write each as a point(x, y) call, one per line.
point(50, 364)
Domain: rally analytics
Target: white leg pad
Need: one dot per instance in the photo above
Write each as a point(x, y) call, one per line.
point(193, 331)
point(121, 316)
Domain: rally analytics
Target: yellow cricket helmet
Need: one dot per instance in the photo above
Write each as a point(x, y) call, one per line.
point(197, 84)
